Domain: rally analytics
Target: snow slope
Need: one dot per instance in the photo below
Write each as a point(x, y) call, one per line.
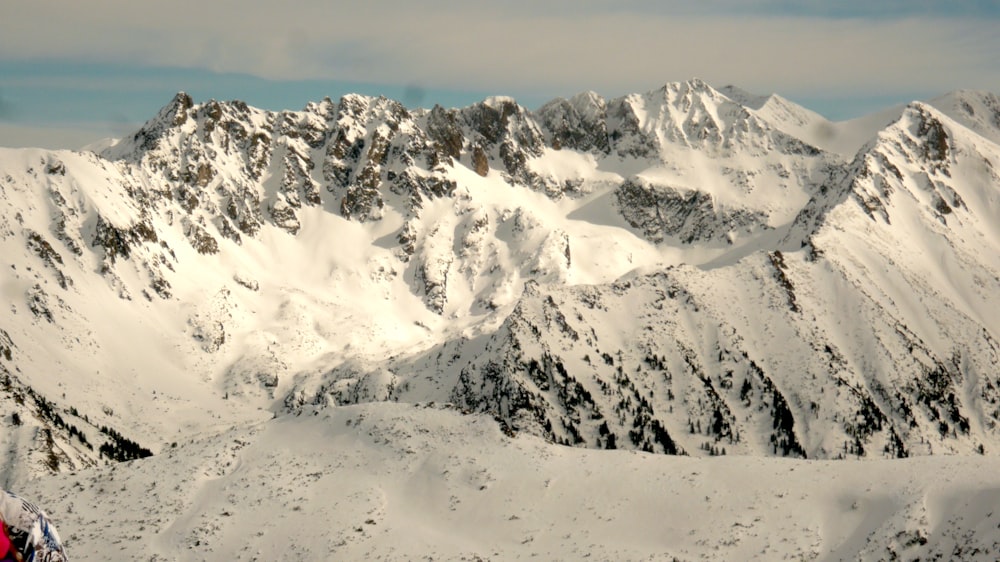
point(404, 482)
point(844, 138)
point(979, 111)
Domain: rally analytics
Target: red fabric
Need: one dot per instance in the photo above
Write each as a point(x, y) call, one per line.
point(5, 548)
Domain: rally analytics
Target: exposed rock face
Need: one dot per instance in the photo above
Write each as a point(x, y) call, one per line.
point(6, 345)
point(480, 163)
point(580, 123)
point(118, 242)
point(200, 239)
point(690, 216)
point(443, 128)
point(501, 127)
point(49, 256)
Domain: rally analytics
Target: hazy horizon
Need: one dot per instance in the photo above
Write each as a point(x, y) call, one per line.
point(73, 72)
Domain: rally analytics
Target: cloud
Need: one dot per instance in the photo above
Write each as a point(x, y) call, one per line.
point(796, 48)
point(855, 9)
point(627, 52)
point(6, 109)
point(66, 137)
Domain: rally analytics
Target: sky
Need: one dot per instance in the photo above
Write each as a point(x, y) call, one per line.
point(74, 72)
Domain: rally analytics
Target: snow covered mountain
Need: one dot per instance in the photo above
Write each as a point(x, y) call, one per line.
point(686, 271)
point(868, 330)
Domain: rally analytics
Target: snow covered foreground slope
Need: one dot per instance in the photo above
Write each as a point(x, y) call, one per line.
point(681, 271)
point(407, 482)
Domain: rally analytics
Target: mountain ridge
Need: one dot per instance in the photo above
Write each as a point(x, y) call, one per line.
point(359, 251)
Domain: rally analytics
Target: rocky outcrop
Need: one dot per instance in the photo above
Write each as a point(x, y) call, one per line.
point(119, 242)
point(502, 129)
point(580, 123)
point(661, 212)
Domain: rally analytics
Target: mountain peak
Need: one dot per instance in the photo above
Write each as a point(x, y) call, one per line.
point(181, 100)
point(497, 102)
point(927, 126)
point(588, 101)
point(692, 84)
point(689, 91)
point(977, 110)
point(745, 98)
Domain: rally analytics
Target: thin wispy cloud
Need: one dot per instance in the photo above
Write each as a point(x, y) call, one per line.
point(770, 45)
point(863, 9)
point(802, 49)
